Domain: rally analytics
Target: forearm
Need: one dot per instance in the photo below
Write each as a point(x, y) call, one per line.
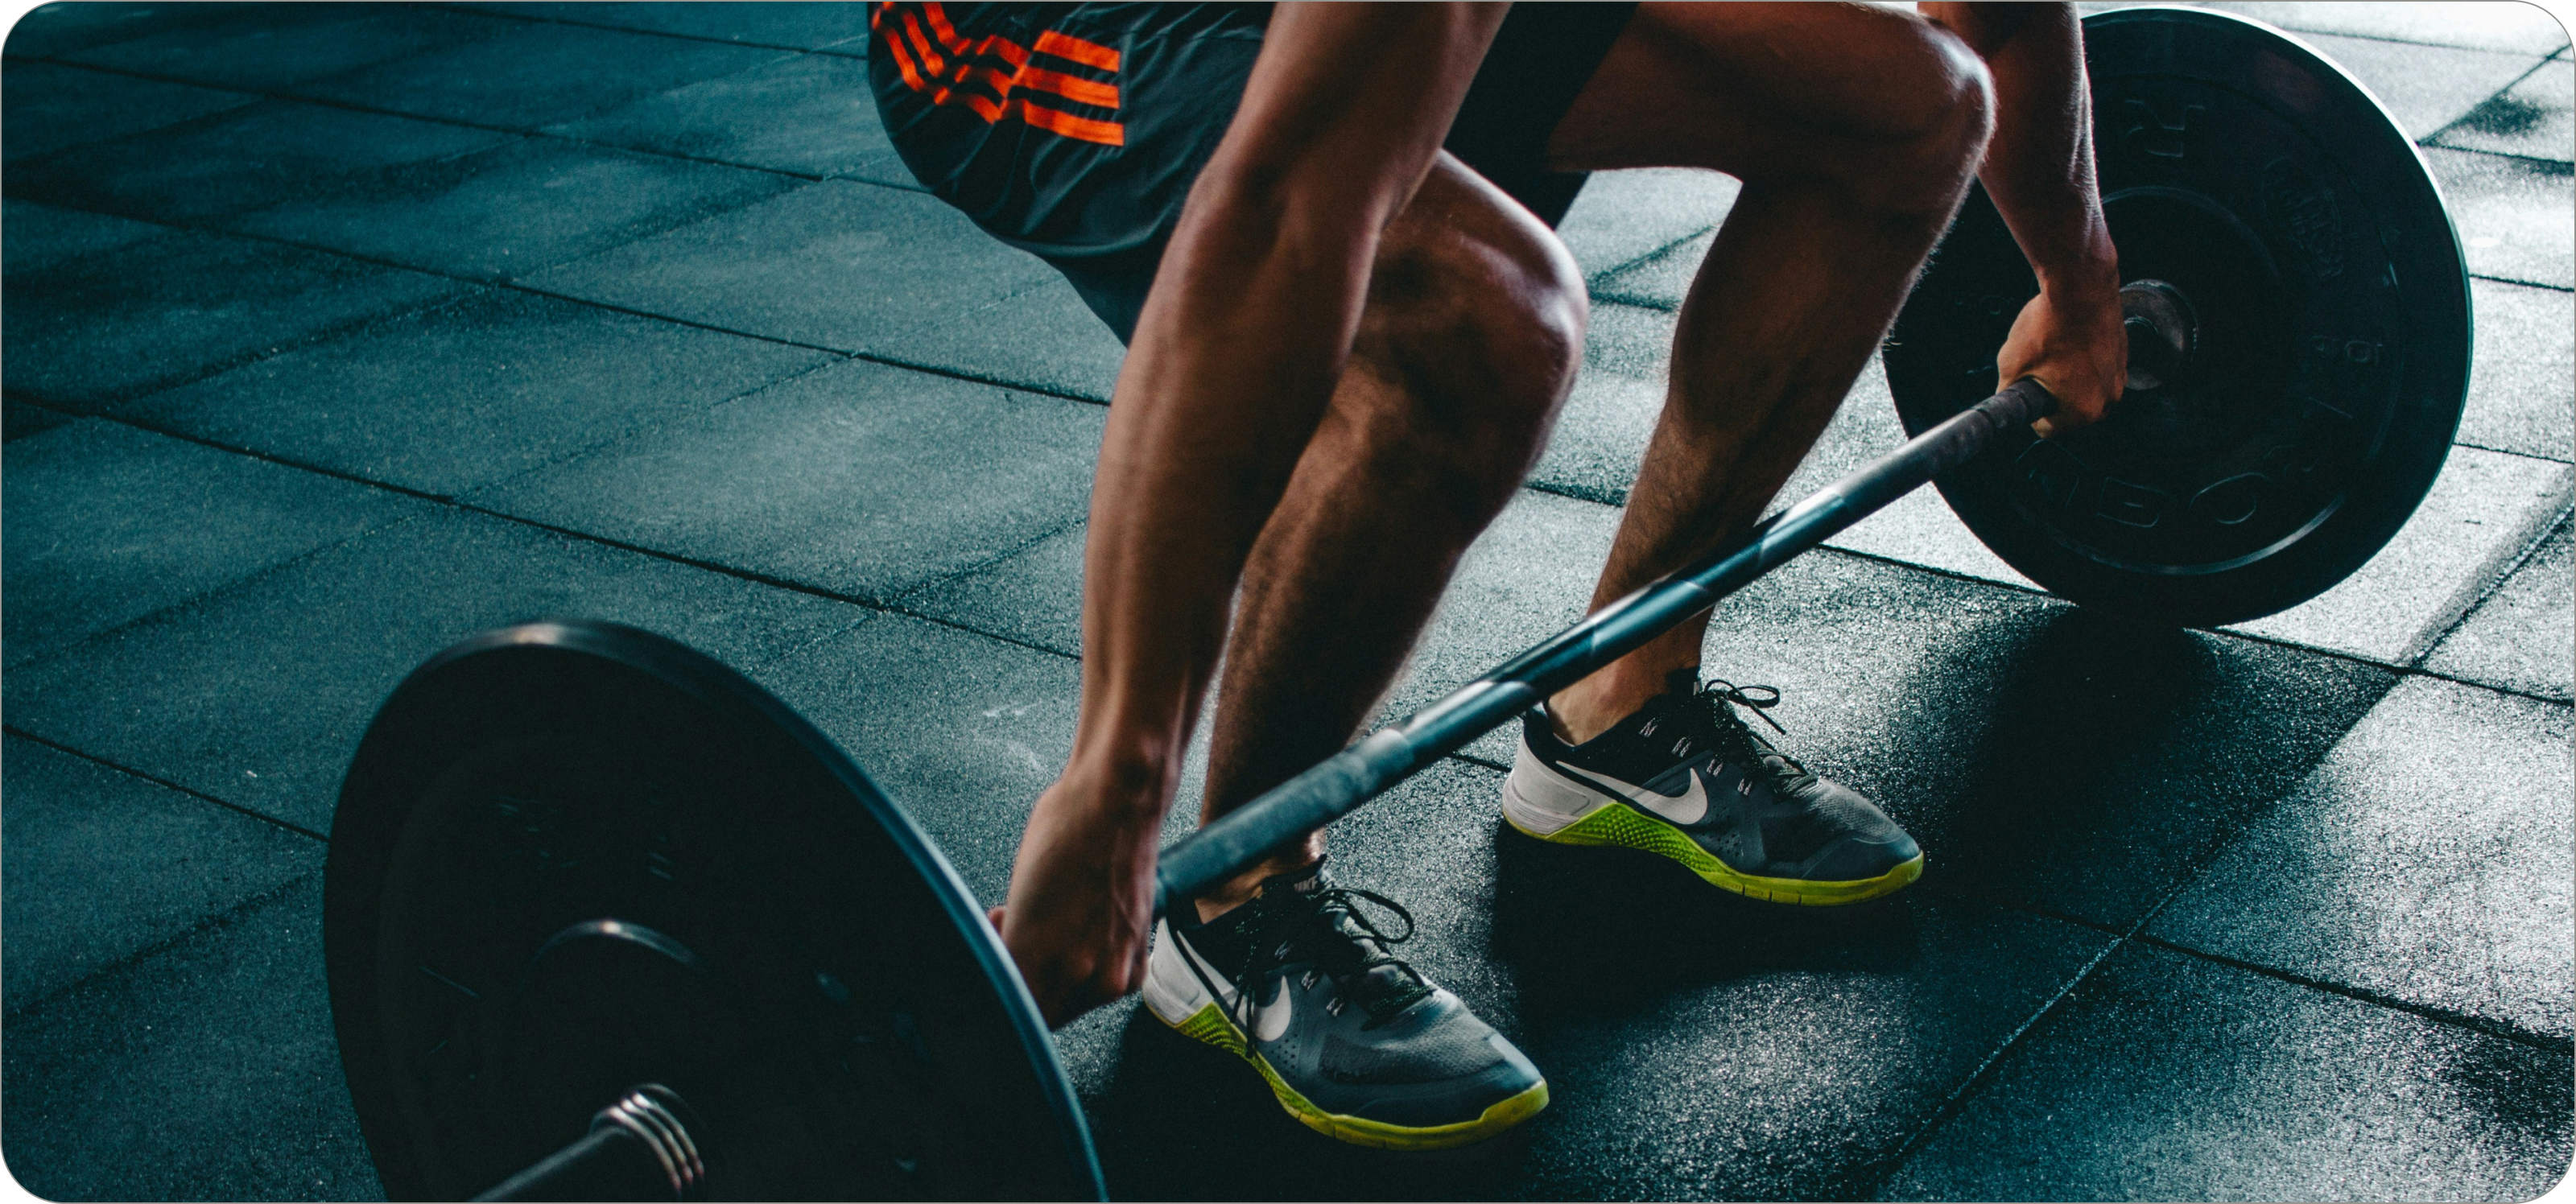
point(1209, 418)
point(1241, 343)
point(2039, 164)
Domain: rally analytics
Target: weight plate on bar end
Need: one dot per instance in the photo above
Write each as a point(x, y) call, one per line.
point(2304, 232)
point(572, 858)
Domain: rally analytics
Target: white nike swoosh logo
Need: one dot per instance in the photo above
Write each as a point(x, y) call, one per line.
point(1269, 1020)
point(1688, 807)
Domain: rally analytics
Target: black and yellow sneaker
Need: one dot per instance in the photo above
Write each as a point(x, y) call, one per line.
point(1354, 1042)
point(1685, 778)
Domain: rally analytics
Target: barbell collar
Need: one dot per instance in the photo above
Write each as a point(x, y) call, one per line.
point(1342, 782)
point(638, 1148)
point(2162, 331)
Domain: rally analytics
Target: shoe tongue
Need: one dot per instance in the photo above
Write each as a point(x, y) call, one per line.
point(1786, 772)
point(1682, 686)
point(1386, 988)
point(1754, 745)
point(1295, 884)
point(1681, 689)
point(1380, 982)
point(1368, 971)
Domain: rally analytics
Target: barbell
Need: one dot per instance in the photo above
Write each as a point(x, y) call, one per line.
point(605, 920)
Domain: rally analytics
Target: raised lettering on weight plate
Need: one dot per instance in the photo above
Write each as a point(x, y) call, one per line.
point(2153, 133)
point(2296, 458)
point(2333, 369)
point(2130, 503)
point(2232, 501)
point(2053, 472)
point(2305, 212)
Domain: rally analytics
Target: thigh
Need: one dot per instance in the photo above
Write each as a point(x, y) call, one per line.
point(1538, 63)
point(1759, 89)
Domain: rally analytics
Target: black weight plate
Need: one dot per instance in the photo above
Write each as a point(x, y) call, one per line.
point(569, 858)
point(2333, 309)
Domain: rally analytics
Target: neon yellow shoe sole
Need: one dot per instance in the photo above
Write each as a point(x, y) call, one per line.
point(1618, 825)
point(1211, 1025)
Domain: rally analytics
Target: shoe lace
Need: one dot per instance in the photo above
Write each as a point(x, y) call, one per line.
point(1352, 947)
point(1738, 739)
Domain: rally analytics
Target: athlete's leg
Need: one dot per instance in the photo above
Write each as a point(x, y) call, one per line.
point(1469, 342)
point(1855, 130)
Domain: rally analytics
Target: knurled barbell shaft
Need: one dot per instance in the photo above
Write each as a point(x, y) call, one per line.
point(1340, 783)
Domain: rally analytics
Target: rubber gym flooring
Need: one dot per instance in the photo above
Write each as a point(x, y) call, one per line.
point(334, 333)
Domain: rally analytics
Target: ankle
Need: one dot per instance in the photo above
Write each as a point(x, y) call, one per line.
point(1596, 704)
point(1244, 887)
point(1578, 713)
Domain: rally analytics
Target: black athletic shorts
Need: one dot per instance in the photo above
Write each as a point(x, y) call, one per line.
point(1074, 131)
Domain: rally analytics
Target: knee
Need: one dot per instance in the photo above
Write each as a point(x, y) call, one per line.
point(1476, 334)
point(1934, 137)
point(1498, 333)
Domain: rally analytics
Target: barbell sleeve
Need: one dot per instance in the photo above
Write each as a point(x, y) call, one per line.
point(1338, 785)
point(639, 1148)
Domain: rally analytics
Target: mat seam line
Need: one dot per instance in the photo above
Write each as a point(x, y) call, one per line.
point(165, 783)
point(509, 284)
point(453, 122)
point(533, 19)
point(213, 922)
point(2500, 1029)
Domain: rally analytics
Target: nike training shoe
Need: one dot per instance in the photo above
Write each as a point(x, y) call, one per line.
point(1355, 1043)
point(1685, 778)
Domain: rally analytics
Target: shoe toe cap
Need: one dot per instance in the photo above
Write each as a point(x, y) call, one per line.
point(1854, 858)
point(1441, 1065)
point(1460, 1100)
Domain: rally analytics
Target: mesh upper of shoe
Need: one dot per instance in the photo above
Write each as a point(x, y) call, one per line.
point(1453, 1047)
point(1829, 812)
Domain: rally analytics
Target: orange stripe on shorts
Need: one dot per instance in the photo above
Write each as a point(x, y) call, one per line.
point(903, 63)
point(930, 59)
point(940, 28)
point(1000, 106)
point(1106, 133)
point(1070, 87)
point(1066, 46)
